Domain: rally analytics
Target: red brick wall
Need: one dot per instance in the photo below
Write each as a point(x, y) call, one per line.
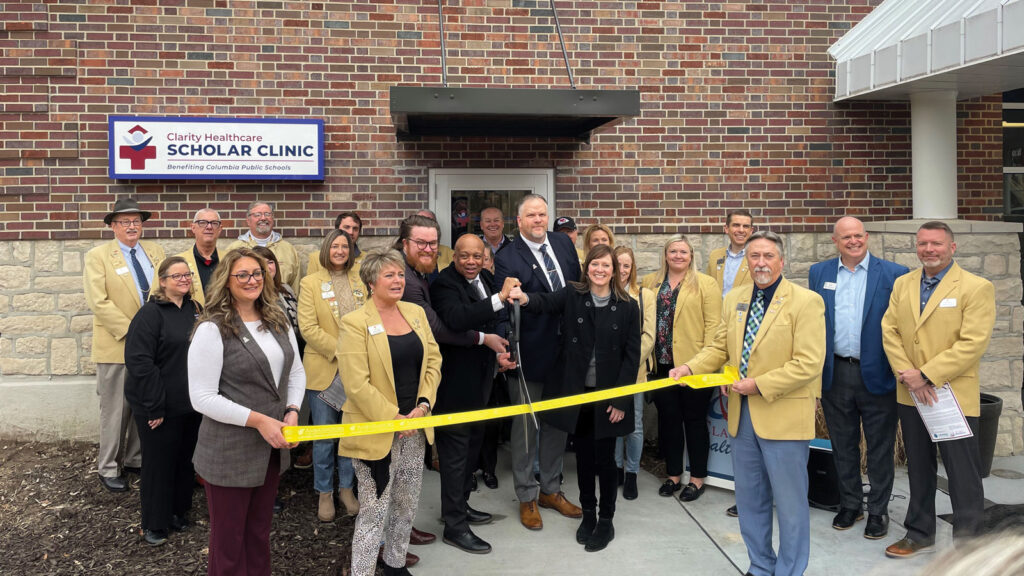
point(736, 109)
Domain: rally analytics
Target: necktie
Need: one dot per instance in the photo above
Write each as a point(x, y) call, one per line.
point(479, 288)
point(753, 323)
point(929, 285)
point(549, 266)
point(143, 281)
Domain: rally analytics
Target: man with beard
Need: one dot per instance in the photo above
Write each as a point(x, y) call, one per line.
point(464, 300)
point(202, 259)
point(774, 334)
point(260, 218)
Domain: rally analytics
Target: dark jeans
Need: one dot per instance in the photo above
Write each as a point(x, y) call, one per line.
point(683, 409)
point(167, 473)
point(848, 404)
point(595, 457)
point(240, 525)
point(962, 461)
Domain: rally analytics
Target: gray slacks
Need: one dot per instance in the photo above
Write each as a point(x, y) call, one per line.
point(119, 438)
point(526, 448)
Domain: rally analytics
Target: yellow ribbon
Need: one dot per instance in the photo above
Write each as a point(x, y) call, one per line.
point(333, 431)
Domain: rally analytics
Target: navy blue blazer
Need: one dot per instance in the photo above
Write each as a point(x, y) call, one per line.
point(539, 335)
point(874, 365)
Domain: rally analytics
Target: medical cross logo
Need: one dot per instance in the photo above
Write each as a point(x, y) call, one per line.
point(137, 149)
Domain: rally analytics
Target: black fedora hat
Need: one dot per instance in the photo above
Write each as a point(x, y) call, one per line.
point(126, 206)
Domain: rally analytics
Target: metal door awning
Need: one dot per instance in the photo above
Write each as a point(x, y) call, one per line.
point(973, 47)
point(508, 112)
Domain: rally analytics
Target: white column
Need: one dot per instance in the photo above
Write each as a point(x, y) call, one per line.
point(933, 146)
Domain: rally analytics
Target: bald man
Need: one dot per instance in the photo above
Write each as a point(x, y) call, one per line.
point(857, 384)
point(463, 299)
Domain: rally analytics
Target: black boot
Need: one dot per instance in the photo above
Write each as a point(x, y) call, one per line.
point(389, 571)
point(629, 491)
point(603, 534)
point(587, 526)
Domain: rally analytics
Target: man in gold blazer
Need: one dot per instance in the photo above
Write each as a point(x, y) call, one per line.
point(774, 334)
point(935, 332)
point(728, 265)
point(260, 218)
point(203, 257)
point(118, 276)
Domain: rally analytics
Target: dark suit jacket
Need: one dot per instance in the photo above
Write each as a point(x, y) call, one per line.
point(611, 335)
point(538, 334)
point(467, 372)
point(874, 365)
point(417, 291)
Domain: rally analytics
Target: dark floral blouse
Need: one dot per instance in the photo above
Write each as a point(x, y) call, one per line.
point(666, 312)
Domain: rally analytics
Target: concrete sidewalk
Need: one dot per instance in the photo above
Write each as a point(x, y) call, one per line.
point(662, 536)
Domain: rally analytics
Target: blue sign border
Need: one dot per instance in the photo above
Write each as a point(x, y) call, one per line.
point(114, 175)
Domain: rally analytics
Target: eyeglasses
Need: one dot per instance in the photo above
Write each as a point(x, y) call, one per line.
point(423, 245)
point(205, 223)
point(243, 277)
point(262, 214)
point(179, 276)
point(129, 223)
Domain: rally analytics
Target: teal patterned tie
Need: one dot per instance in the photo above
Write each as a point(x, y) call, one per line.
point(753, 323)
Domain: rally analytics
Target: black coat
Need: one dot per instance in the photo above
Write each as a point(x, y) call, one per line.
point(612, 334)
point(467, 372)
point(156, 359)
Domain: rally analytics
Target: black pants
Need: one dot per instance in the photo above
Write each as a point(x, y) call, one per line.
point(847, 405)
point(962, 461)
point(595, 457)
point(683, 409)
point(457, 450)
point(167, 474)
point(493, 428)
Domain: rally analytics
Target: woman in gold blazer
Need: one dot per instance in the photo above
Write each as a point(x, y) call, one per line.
point(326, 295)
point(688, 309)
point(390, 367)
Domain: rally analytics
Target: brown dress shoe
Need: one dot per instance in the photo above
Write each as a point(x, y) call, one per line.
point(410, 558)
point(419, 537)
point(529, 515)
point(906, 548)
point(558, 502)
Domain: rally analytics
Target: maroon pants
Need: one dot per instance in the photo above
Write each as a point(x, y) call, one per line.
point(240, 525)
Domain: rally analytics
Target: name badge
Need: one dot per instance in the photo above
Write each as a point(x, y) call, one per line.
point(375, 329)
point(327, 295)
point(742, 307)
point(121, 271)
point(829, 286)
point(948, 303)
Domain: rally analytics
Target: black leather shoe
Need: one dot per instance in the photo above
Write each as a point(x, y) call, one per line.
point(629, 491)
point(476, 516)
point(587, 526)
point(846, 518)
point(137, 470)
point(467, 542)
point(603, 534)
point(691, 492)
point(669, 488)
point(490, 480)
point(114, 483)
point(389, 571)
point(877, 526)
point(179, 523)
point(155, 537)
point(732, 512)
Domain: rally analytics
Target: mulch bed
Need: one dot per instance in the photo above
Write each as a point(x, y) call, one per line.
point(56, 518)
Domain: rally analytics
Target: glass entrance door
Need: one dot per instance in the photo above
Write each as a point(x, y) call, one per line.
point(459, 195)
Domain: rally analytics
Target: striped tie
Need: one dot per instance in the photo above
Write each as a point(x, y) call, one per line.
point(753, 323)
point(549, 266)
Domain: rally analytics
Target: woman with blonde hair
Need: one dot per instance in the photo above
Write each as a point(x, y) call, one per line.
point(390, 366)
point(597, 234)
point(628, 449)
point(245, 378)
point(688, 310)
point(331, 291)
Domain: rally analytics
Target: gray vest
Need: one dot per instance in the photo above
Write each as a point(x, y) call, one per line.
point(237, 456)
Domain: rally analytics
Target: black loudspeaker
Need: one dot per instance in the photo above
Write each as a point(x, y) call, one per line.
point(823, 480)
